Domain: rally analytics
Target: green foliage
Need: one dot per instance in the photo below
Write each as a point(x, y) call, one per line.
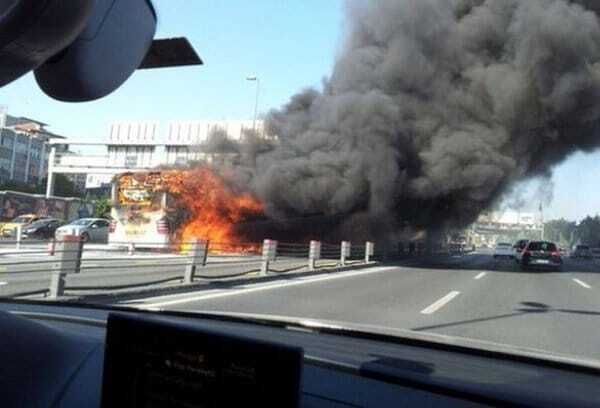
point(20, 187)
point(569, 233)
point(63, 187)
point(102, 208)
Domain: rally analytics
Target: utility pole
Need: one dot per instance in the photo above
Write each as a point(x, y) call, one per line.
point(257, 80)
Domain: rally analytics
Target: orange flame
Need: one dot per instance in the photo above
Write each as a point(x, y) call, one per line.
point(213, 208)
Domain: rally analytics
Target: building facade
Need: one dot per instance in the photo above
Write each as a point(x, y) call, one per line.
point(137, 146)
point(24, 149)
point(506, 226)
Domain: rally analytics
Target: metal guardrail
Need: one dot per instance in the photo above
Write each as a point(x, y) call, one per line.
point(70, 266)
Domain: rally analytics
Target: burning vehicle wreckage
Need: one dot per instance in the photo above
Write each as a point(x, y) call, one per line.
point(434, 109)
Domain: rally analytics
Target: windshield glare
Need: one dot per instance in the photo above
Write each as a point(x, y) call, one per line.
point(390, 164)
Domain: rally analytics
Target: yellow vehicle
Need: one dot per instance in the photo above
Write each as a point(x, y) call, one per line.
point(8, 229)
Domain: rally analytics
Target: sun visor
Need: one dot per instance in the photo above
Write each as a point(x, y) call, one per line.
point(113, 45)
point(31, 31)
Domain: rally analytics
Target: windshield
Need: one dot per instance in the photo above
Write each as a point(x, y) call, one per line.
point(83, 222)
point(541, 246)
point(40, 223)
point(383, 163)
point(22, 220)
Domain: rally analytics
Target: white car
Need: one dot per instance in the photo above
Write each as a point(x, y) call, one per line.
point(504, 250)
point(89, 229)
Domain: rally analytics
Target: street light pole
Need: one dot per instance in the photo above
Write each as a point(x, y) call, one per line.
point(257, 80)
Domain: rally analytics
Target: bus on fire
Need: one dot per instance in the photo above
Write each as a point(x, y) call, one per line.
point(140, 211)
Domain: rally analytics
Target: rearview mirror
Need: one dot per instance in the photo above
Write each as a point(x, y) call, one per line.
point(82, 50)
point(31, 31)
point(113, 45)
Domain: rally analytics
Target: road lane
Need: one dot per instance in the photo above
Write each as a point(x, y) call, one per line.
point(473, 296)
point(392, 298)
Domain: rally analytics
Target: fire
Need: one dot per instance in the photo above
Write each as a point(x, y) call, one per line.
point(213, 208)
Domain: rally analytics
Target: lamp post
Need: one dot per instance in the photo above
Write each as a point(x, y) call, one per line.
point(257, 80)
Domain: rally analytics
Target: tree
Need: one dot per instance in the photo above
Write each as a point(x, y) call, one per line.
point(588, 231)
point(561, 231)
point(20, 187)
point(102, 208)
point(63, 187)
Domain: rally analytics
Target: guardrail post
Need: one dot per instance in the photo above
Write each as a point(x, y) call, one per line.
point(268, 254)
point(68, 261)
point(198, 254)
point(131, 249)
point(52, 247)
point(19, 235)
point(369, 251)
point(345, 252)
point(314, 254)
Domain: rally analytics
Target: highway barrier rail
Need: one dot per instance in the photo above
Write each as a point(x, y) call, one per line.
point(70, 267)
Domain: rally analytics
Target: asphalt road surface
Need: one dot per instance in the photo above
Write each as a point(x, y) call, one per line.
point(471, 296)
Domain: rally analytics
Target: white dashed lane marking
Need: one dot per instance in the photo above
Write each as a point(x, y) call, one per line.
point(434, 307)
point(582, 283)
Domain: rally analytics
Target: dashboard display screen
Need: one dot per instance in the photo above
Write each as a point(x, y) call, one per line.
point(151, 364)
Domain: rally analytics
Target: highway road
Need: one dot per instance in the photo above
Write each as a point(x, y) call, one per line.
point(471, 296)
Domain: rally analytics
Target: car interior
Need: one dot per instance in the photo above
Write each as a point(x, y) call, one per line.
point(73, 355)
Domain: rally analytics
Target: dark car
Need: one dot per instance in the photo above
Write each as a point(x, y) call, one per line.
point(541, 255)
point(582, 251)
point(42, 229)
point(519, 247)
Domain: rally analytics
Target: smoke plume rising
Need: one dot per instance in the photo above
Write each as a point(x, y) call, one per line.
point(433, 109)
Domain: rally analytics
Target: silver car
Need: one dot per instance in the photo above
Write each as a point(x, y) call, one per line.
point(89, 229)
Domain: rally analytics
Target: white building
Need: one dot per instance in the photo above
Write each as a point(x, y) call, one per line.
point(139, 144)
point(508, 226)
point(146, 145)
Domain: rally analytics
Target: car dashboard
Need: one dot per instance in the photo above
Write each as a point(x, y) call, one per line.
point(56, 356)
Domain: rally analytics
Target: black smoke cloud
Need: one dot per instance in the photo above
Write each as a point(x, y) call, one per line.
point(434, 109)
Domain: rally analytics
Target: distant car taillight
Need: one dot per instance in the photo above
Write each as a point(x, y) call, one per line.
point(555, 254)
point(162, 226)
point(526, 253)
point(112, 226)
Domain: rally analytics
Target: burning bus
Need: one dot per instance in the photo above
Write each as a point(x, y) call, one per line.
point(155, 209)
point(140, 211)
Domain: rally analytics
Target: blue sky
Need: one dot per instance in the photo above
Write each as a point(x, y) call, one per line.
point(288, 44)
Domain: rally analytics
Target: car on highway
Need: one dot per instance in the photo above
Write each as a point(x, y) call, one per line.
point(504, 250)
point(541, 255)
point(42, 229)
point(518, 248)
point(8, 229)
point(582, 252)
point(89, 229)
